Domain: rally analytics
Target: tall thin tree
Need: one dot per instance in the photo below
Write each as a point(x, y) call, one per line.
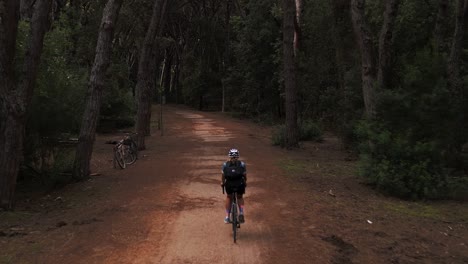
point(15, 97)
point(386, 44)
point(440, 28)
point(102, 60)
point(364, 39)
point(297, 27)
point(292, 130)
point(226, 54)
point(146, 72)
point(341, 18)
point(455, 79)
point(461, 23)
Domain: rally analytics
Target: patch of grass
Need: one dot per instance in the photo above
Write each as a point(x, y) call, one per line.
point(416, 210)
point(35, 248)
point(452, 212)
point(328, 169)
point(6, 259)
point(293, 166)
point(9, 218)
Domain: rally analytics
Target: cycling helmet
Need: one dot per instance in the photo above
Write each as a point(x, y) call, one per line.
point(233, 153)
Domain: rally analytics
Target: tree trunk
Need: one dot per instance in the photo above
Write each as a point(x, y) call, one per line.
point(146, 77)
point(15, 98)
point(84, 149)
point(226, 54)
point(454, 78)
point(292, 131)
point(9, 145)
point(167, 75)
point(26, 9)
point(440, 28)
point(9, 16)
point(340, 11)
point(40, 23)
point(386, 44)
point(367, 65)
point(175, 83)
point(297, 27)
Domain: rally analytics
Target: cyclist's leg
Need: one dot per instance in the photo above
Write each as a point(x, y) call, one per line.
point(240, 200)
point(227, 204)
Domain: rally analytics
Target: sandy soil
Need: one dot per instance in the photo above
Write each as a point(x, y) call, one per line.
point(302, 206)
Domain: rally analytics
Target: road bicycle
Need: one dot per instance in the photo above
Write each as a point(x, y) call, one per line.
point(125, 151)
point(234, 216)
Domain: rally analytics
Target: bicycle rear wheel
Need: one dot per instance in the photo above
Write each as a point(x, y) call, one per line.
point(129, 156)
point(134, 148)
point(234, 221)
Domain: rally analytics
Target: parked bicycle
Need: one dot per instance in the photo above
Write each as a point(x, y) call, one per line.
point(234, 214)
point(125, 151)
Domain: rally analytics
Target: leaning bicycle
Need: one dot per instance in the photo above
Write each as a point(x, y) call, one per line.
point(125, 151)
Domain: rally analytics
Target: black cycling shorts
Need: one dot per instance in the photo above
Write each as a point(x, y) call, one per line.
point(235, 186)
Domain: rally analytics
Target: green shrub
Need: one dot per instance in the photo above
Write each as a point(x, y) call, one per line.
point(308, 131)
point(457, 188)
point(279, 135)
point(60, 173)
point(50, 166)
point(397, 165)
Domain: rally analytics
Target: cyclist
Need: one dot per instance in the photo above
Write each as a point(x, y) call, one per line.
point(234, 176)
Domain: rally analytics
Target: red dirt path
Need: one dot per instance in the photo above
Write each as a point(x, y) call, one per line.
point(302, 206)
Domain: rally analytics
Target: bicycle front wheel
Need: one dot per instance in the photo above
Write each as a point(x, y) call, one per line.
point(119, 158)
point(234, 221)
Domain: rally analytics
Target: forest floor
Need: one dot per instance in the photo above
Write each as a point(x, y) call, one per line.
point(302, 206)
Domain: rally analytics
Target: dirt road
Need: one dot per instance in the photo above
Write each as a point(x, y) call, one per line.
point(303, 206)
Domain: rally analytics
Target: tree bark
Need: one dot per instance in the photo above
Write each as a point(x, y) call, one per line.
point(367, 65)
point(146, 77)
point(16, 97)
point(440, 28)
point(454, 78)
point(9, 145)
point(40, 23)
point(175, 83)
point(226, 55)
point(386, 44)
point(297, 27)
point(84, 149)
point(341, 17)
point(167, 75)
point(26, 8)
point(292, 131)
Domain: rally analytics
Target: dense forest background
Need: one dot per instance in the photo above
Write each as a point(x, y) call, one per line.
point(228, 55)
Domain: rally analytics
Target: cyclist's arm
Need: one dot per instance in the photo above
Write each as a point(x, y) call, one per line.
point(223, 178)
point(245, 172)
